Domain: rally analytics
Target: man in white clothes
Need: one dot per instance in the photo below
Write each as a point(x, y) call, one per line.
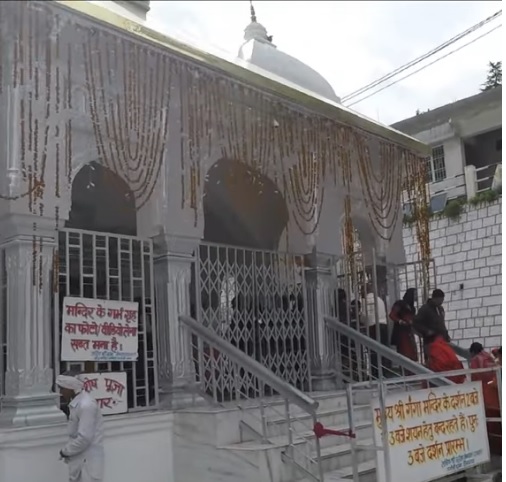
point(84, 451)
point(374, 303)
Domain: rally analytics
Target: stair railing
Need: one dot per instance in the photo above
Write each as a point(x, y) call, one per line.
point(261, 396)
point(381, 388)
point(359, 358)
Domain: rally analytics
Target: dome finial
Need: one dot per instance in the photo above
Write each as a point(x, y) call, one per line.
point(255, 30)
point(252, 10)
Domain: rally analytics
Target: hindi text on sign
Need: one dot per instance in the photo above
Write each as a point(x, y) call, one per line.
point(99, 330)
point(431, 433)
point(109, 390)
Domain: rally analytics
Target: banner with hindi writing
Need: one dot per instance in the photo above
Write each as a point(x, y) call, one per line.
point(109, 390)
point(431, 433)
point(99, 330)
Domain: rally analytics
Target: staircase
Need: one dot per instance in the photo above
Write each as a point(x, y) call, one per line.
point(233, 443)
point(256, 436)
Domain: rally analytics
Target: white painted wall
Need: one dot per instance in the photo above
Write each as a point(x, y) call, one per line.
point(451, 134)
point(138, 447)
point(454, 184)
point(487, 119)
point(468, 252)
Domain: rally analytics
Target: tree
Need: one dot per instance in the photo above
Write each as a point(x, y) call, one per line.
point(494, 77)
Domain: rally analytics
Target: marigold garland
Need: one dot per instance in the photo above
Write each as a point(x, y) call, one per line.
point(131, 87)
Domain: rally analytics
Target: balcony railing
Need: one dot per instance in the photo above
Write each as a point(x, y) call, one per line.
point(482, 178)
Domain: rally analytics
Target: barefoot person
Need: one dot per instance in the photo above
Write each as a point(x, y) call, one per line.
point(83, 453)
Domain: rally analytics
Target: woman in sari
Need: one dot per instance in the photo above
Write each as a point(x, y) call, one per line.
point(442, 358)
point(402, 314)
point(482, 359)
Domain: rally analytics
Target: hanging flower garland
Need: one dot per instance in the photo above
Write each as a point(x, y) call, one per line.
point(415, 175)
point(129, 91)
point(39, 98)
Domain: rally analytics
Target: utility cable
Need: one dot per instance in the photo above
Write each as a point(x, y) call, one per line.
point(425, 66)
point(423, 57)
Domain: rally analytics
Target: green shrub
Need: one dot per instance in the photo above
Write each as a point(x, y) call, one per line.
point(454, 209)
point(485, 197)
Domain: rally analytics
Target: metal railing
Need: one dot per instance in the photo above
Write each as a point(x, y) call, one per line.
point(484, 177)
point(260, 394)
point(481, 179)
point(381, 388)
point(363, 358)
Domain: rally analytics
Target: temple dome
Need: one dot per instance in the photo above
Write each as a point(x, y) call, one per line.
point(259, 50)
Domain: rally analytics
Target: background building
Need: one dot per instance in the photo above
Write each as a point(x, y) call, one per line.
point(466, 232)
point(466, 141)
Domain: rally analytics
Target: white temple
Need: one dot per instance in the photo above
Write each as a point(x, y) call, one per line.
point(152, 177)
point(258, 49)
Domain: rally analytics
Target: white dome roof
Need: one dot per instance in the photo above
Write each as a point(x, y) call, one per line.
point(259, 50)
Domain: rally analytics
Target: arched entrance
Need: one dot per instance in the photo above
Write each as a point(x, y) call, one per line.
point(242, 207)
point(250, 293)
point(102, 201)
point(100, 258)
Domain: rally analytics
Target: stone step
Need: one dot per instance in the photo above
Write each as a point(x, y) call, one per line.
point(363, 430)
point(366, 473)
point(337, 457)
point(274, 406)
point(277, 424)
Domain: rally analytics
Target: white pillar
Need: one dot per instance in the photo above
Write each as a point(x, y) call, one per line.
point(29, 399)
point(174, 261)
point(470, 177)
point(321, 296)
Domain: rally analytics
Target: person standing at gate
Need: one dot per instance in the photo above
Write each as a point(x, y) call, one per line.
point(84, 451)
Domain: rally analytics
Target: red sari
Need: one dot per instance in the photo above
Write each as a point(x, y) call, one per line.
point(490, 397)
point(402, 335)
point(442, 358)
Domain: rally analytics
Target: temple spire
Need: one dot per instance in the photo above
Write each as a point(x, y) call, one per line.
point(255, 30)
point(252, 10)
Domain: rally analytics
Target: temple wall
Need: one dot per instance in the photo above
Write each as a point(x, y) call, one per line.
point(162, 131)
point(468, 259)
point(137, 447)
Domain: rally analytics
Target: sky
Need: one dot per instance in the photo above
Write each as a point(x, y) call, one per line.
point(354, 43)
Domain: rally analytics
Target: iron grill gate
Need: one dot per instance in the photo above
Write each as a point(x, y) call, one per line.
point(256, 301)
point(111, 267)
point(414, 275)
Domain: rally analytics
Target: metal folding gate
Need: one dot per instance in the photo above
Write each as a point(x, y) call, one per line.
point(111, 267)
point(256, 300)
point(386, 282)
point(417, 275)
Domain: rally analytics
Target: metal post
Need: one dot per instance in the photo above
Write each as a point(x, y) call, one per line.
point(376, 314)
point(351, 421)
point(384, 431)
point(499, 386)
point(262, 411)
point(318, 452)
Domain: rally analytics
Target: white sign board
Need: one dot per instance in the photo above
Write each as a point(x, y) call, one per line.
point(109, 390)
point(431, 433)
point(99, 330)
